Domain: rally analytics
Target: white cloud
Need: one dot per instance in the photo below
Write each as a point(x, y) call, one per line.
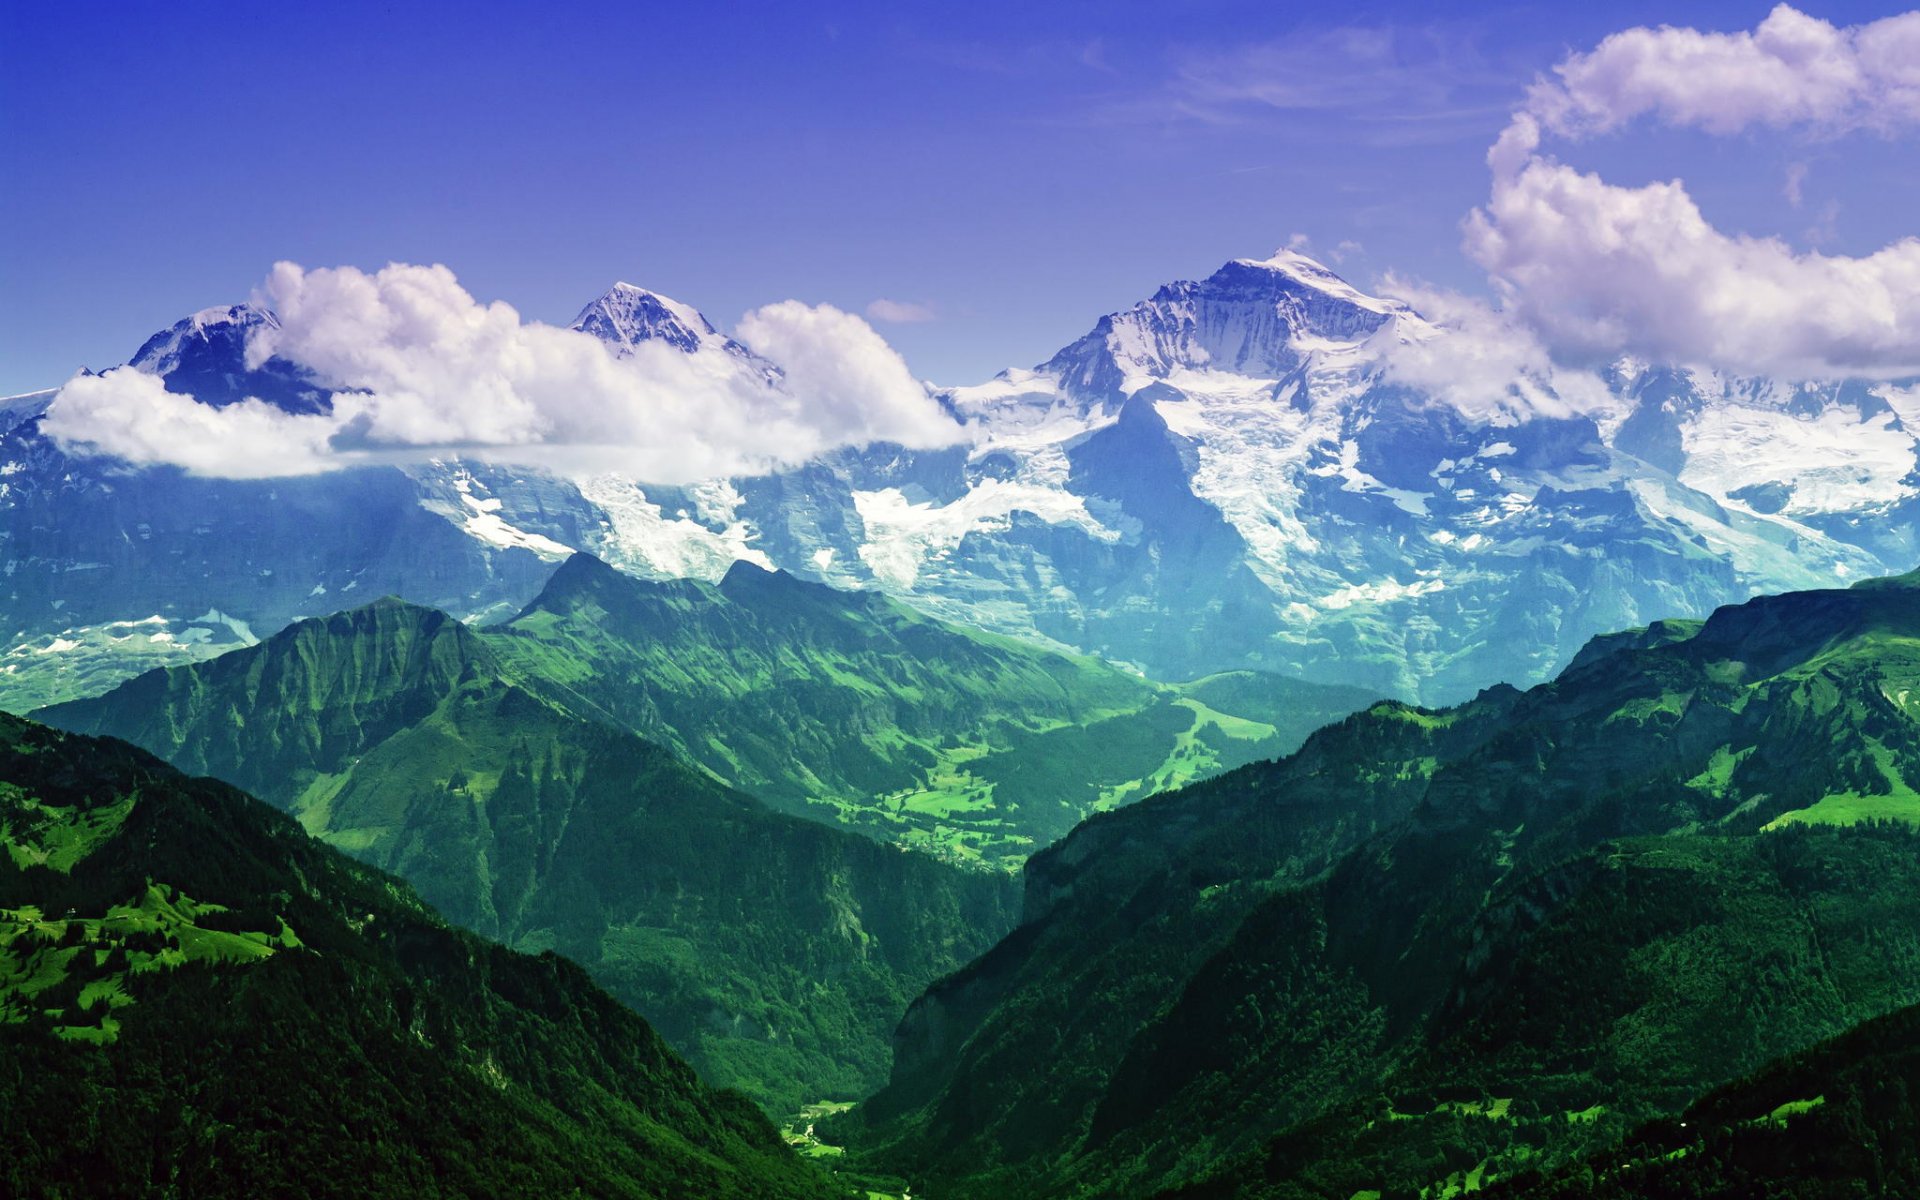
point(1794, 187)
point(853, 384)
point(1479, 360)
point(425, 370)
point(1599, 269)
point(900, 312)
point(130, 415)
point(1793, 70)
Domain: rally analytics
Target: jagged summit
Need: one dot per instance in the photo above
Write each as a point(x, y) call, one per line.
point(205, 356)
point(1374, 520)
point(587, 581)
point(1254, 317)
point(217, 328)
point(751, 583)
point(628, 315)
point(1312, 273)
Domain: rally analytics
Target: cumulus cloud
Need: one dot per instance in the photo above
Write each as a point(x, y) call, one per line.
point(130, 415)
point(1479, 360)
point(422, 369)
point(900, 312)
point(1599, 269)
point(852, 379)
point(1793, 70)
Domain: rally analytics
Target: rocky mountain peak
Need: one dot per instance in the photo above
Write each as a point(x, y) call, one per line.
point(1254, 317)
point(628, 315)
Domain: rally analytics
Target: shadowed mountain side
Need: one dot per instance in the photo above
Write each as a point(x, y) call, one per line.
point(777, 953)
point(199, 998)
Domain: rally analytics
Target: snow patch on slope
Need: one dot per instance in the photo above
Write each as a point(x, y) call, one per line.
point(904, 538)
point(481, 520)
point(1252, 450)
point(1385, 591)
point(1833, 461)
point(640, 537)
point(1767, 553)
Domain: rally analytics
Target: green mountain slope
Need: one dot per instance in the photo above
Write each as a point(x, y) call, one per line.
point(776, 953)
point(851, 707)
point(196, 998)
point(1581, 906)
point(1837, 1121)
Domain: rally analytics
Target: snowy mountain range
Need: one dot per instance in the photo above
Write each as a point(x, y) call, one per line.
point(1228, 474)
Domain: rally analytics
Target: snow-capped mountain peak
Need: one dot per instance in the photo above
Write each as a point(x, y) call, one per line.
point(1311, 273)
point(628, 315)
point(1228, 474)
point(205, 356)
point(217, 328)
point(1256, 318)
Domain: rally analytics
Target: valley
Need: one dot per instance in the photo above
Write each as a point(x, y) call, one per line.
point(1479, 942)
point(1427, 711)
point(566, 781)
point(989, 914)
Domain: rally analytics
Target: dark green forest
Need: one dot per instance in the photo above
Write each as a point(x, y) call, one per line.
point(202, 1000)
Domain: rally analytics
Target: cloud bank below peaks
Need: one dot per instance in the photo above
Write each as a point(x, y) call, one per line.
point(421, 369)
point(1598, 270)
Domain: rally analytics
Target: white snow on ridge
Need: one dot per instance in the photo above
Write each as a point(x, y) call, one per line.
point(1834, 462)
point(641, 537)
point(1774, 553)
point(1385, 591)
point(904, 538)
point(1905, 402)
point(1314, 274)
point(482, 521)
point(1017, 387)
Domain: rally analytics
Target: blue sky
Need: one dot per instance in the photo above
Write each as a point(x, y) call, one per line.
point(1015, 169)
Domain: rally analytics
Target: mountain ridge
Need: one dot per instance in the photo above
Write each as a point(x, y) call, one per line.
point(192, 977)
point(973, 745)
point(1421, 900)
point(400, 735)
point(1357, 530)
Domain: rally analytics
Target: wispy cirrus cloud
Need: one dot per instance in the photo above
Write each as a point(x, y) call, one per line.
point(900, 312)
point(1397, 84)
